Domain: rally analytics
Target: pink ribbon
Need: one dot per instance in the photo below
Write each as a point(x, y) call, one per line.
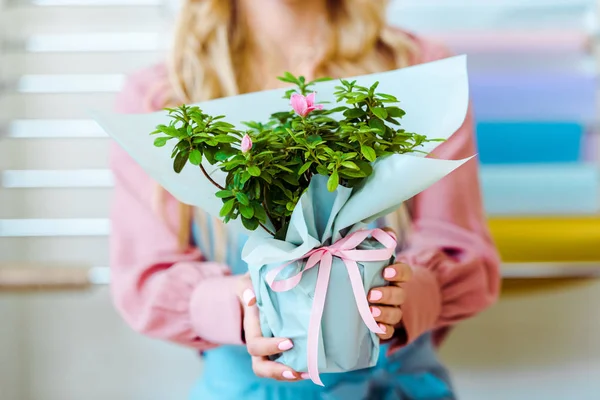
point(344, 249)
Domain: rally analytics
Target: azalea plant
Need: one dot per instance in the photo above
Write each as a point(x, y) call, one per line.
point(270, 164)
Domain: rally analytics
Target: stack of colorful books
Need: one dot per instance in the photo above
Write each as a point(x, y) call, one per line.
point(533, 86)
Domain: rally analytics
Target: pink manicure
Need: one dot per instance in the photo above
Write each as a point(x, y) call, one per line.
point(375, 311)
point(376, 295)
point(288, 375)
point(305, 375)
point(285, 345)
point(248, 296)
point(383, 327)
point(389, 273)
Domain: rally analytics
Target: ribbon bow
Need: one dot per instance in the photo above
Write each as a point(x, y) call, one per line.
point(346, 250)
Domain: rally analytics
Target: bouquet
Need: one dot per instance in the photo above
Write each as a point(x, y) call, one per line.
point(306, 183)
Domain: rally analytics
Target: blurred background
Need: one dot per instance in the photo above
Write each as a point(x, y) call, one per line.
point(533, 74)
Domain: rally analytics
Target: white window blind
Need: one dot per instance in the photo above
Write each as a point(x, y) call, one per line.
point(58, 60)
point(62, 58)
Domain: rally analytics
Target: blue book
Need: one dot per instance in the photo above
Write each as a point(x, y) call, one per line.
point(529, 142)
point(559, 189)
point(551, 97)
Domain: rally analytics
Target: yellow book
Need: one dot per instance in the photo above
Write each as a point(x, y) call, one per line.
point(547, 239)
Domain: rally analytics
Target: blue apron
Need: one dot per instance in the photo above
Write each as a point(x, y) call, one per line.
point(412, 373)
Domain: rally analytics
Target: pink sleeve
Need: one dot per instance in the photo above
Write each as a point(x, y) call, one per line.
point(159, 290)
point(455, 262)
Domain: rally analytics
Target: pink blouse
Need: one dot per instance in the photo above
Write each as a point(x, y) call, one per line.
point(176, 296)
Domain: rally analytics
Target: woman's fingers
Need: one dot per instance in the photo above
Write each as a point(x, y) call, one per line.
point(387, 315)
point(262, 347)
point(388, 295)
point(257, 345)
point(245, 291)
point(388, 332)
point(397, 273)
point(271, 369)
point(251, 317)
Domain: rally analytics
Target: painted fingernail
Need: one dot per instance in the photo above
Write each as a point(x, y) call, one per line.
point(389, 273)
point(383, 328)
point(288, 375)
point(248, 296)
point(375, 311)
point(376, 295)
point(305, 375)
point(285, 345)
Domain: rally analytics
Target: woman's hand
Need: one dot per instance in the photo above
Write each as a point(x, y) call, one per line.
point(386, 301)
point(260, 347)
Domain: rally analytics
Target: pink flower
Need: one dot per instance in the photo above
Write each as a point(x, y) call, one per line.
point(246, 143)
point(304, 105)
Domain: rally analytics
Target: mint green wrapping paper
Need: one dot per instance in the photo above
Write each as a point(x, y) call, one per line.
point(435, 98)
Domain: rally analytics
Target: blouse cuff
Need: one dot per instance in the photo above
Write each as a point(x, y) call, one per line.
point(215, 310)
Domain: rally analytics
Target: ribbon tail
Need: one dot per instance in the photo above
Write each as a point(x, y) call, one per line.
point(361, 298)
point(316, 315)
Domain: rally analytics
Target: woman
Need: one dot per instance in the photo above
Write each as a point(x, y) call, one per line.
point(177, 275)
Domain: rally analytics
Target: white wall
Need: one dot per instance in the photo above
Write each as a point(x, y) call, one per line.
point(535, 344)
point(12, 372)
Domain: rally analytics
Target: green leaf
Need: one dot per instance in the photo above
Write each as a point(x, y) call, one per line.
point(161, 141)
point(224, 194)
point(333, 182)
point(322, 170)
point(259, 212)
point(267, 178)
point(222, 125)
point(357, 99)
point(314, 139)
point(373, 87)
point(379, 112)
point(223, 155)
point(365, 167)
point(388, 97)
point(246, 211)
point(286, 169)
point(377, 124)
point(180, 160)
point(227, 207)
point(245, 177)
point(291, 179)
point(354, 113)
point(250, 224)
point(305, 167)
point(254, 170)
point(368, 152)
point(289, 77)
point(350, 164)
point(257, 189)
point(395, 112)
point(225, 139)
point(349, 173)
point(281, 115)
point(195, 157)
point(242, 198)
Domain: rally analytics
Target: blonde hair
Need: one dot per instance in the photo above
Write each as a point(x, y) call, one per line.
point(211, 58)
